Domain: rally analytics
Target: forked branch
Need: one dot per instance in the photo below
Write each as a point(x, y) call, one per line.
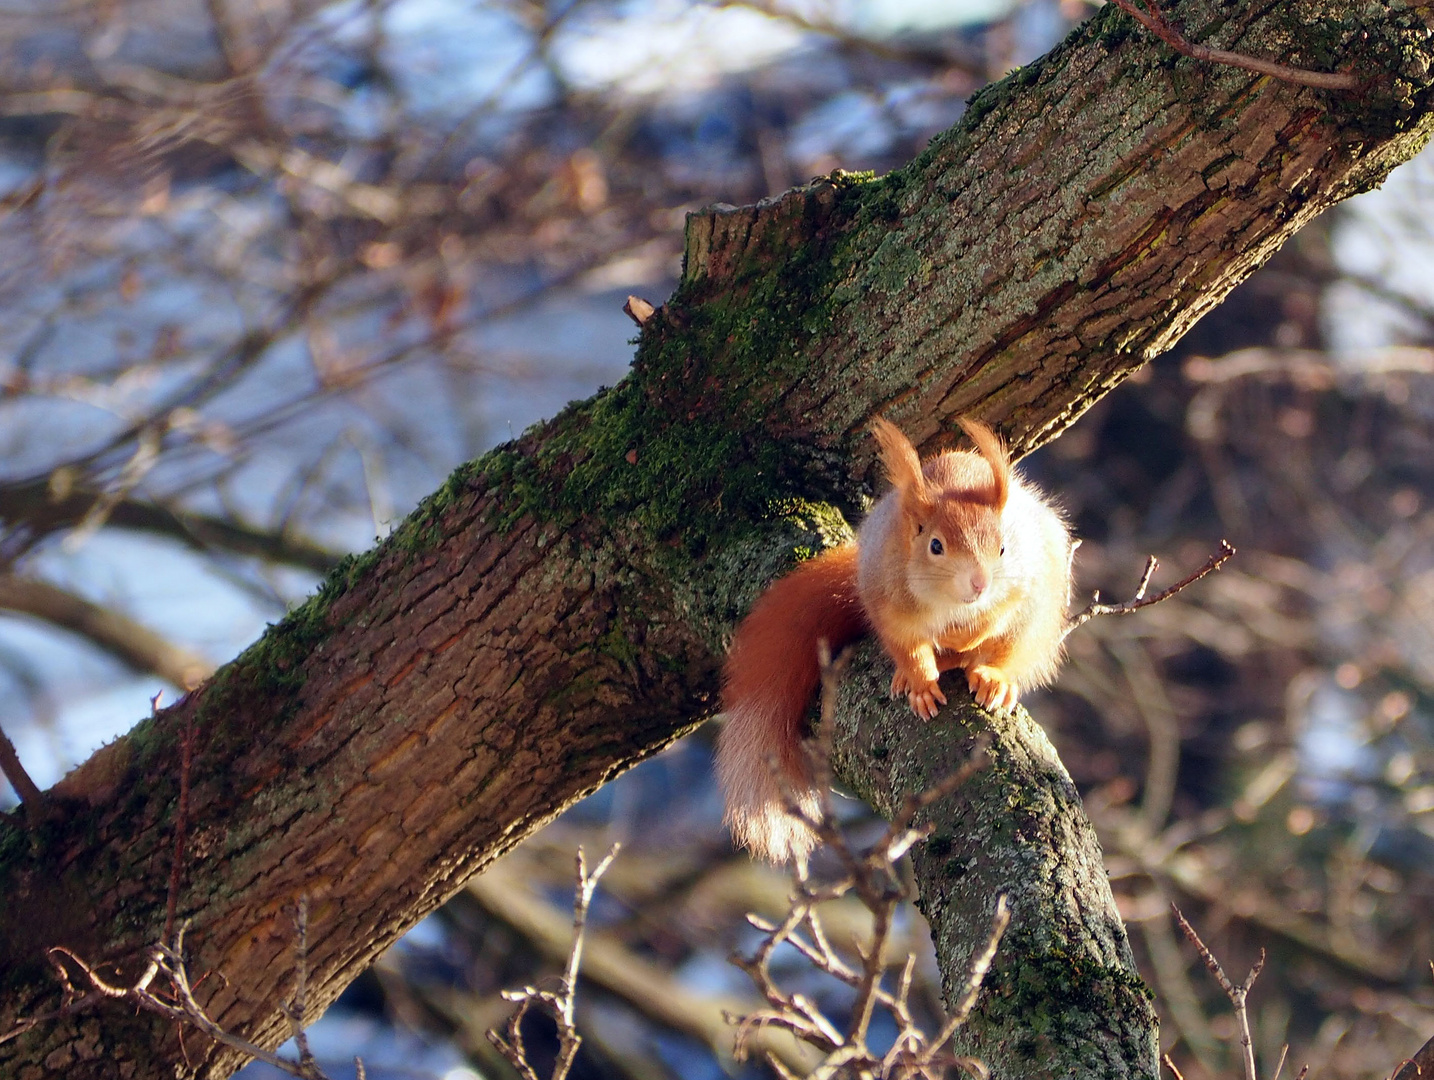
point(560, 1004)
point(1140, 600)
point(164, 988)
point(870, 876)
point(1237, 995)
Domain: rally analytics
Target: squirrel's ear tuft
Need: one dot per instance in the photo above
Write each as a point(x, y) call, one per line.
point(993, 449)
point(903, 465)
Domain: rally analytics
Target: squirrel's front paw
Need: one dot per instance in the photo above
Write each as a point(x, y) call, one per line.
point(993, 691)
point(926, 700)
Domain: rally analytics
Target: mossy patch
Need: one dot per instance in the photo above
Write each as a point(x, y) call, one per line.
point(683, 449)
point(1058, 998)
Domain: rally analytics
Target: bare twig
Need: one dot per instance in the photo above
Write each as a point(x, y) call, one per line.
point(502, 891)
point(1182, 1003)
point(1280, 1065)
point(1153, 19)
point(1140, 600)
point(295, 1009)
point(166, 961)
point(871, 876)
point(1419, 1067)
point(559, 1005)
point(975, 976)
point(1236, 994)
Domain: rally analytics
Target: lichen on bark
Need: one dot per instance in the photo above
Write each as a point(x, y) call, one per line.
point(1063, 998)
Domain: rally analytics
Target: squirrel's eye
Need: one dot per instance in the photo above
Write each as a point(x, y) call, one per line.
point(1003, 549)
point(936, 547)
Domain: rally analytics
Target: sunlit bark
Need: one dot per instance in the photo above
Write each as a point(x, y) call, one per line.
point(556, 612)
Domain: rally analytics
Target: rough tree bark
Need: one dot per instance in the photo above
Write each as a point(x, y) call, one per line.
point(1063, 998)
point(556, 611)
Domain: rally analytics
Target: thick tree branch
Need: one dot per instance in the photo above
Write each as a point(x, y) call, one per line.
point(556, 611)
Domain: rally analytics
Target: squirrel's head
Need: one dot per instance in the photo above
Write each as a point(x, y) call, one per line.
point(951, 512)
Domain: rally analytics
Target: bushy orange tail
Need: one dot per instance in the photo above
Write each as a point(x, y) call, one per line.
point(768, 682)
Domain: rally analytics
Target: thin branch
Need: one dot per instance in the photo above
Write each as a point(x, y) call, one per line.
point(295, 1009)
point(1172, 979)
point(1280, 1065)
point(501, 891)
point(1171, 1066)
point(1140, 600)
point(1236, 994)
point(122, 637)
point(19, 779)
point(72, 1002)
point(1419, 1067)
point(948, 785)
point(975, 976)
point(167, 961)
point(559, 1005)
point(1205, 954)
point(1153, 19)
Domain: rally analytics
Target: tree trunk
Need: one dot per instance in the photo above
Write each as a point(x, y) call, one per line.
point(556, 611)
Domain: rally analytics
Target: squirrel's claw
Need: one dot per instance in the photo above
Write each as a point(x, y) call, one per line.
point(993, 691)
point(927, 701)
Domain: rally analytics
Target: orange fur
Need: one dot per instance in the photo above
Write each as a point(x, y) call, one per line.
point(903, 466)
point(768, 681)
point(963, 564)
point(990, 446)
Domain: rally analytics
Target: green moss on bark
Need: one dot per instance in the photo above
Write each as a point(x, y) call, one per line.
point(1063, 1000)
point(1056, 1013)
point(679, 449)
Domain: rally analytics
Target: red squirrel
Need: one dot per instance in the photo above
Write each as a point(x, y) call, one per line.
point(963, 564)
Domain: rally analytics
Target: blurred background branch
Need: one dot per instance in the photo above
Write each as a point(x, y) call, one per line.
point(269, 271)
